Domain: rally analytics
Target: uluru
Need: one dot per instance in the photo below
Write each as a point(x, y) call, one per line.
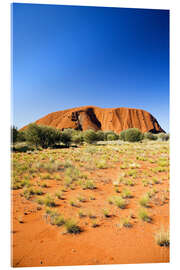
point(96, 118)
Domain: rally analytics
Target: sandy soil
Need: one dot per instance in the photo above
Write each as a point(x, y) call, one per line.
point(35, 242)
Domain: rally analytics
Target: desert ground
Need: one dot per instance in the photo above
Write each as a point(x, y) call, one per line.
point(90, 205)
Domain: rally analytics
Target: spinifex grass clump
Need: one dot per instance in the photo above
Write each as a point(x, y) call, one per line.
point(144, 216)
point(106, 213)
point(101, 164)
point(126, 222)
point(72, 226)
point(129, 182)
point(95, 224)
point(144, 200)
point(162, 238)
point(73, 203)
point(55, 217)
point(118, 201)
point(28, 192)
point(81, 214)
point(71, 174)
point(48, 200)
point(59, 195)
point(88, 184)
point(126, 193)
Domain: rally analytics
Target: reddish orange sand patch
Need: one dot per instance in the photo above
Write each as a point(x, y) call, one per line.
point(37, 243)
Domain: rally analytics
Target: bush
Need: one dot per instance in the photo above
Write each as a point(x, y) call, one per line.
point(110, 136)
point(43, 136)
point(144, 216)
point(100, 135)
point(72, 227)
point(150, 136)
point(66, 137)
point(14, 134)
point(21, 136)
point(90, 136)
point(162, 238)
point(122, 135)
point(163, 136)
point(131, 135)
point(78, 138)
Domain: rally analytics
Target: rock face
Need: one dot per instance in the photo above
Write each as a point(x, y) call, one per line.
point(91, 117)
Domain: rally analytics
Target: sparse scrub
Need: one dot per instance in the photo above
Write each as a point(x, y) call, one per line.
point(55, 217)
point(106, 213)
point(126, 193)
point(144, 216)
point(119, 202)
point(88, 184)
point(131, 135)
point(129, 182)
point(43, 136)
point(81, 199)
point(90, 136)
point(150, 136)
point(162, 238)
point(72, 226)
point(95, 224)
point(59, 195)
point(73, 203)
point(144, 201)
point(48, 200)
point(155, 180)
point(101, 164)
point(81, 214)
point(126, 222)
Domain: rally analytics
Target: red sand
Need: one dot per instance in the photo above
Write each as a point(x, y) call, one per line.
point(37, 243)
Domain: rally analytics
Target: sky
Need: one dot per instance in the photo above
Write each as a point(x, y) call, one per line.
point(70, 56)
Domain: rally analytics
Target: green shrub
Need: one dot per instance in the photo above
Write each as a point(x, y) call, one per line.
point(90, 136)
point(119, 202)
point(163, 136)
point(78, 138)
point(14, 134)
point(81, 214)
point(150, 136)
point(43, 136)
point(133, 135)
point(144, 216)
point(100, 135)
point(162, 238)
point(88, 184)
point(122, 135)
point(110, 136)
point(126, 222)
point(144, 201)
point(49, 201)
point(126, 193)
point(66, 137)
point(72, 227)
point(21, 136)
point(106, 213)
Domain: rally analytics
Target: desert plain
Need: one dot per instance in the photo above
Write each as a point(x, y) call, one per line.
point(90, 205)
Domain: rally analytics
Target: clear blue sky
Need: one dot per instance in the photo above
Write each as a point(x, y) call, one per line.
point(65, 57)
